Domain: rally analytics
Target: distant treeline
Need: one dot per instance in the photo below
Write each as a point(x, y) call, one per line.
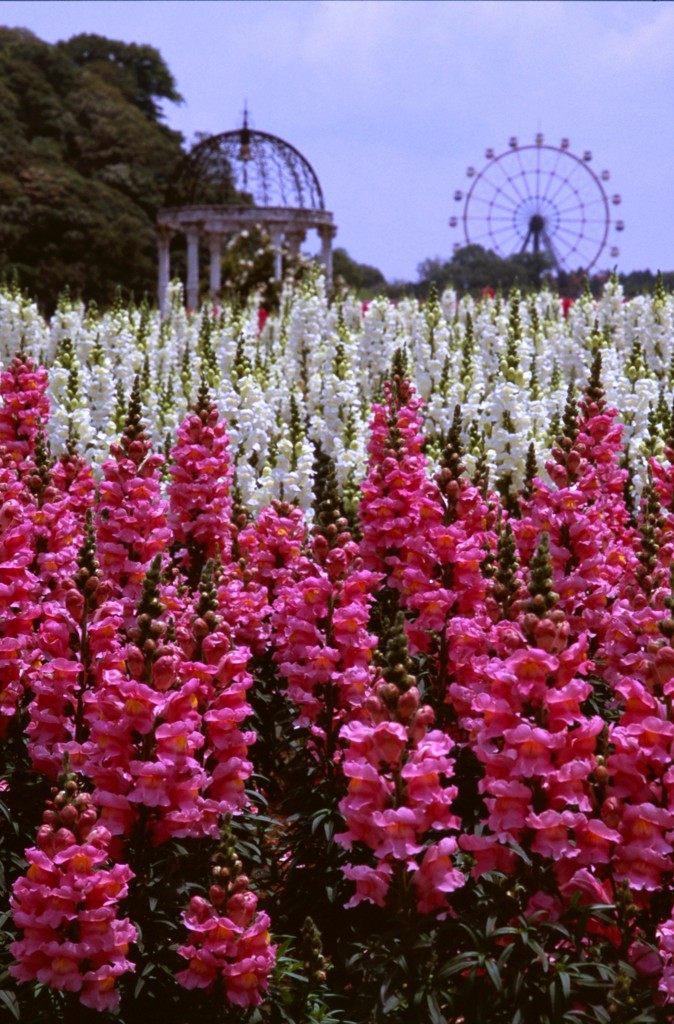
point(473, 269)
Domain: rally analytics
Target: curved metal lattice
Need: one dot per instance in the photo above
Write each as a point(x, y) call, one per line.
point(540, 199)
point(248, 168)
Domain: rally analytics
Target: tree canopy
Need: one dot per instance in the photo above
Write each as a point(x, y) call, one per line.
point(473, 268)
point(84, 163)
point(360, 276)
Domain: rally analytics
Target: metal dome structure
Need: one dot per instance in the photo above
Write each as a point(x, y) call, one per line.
point(237, 180)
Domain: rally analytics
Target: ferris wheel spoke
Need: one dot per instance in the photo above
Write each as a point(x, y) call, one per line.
point(582, 231)
point(552, 174)
point(512, 180)
point(523, 174)
point(498, 189)
point(510, 241)
point(588, 242)
point(565, 185)
point(504, 229)
point(538, 173)
point(502, 220)
point(565, 210)
point(492, 204)
point(579, 228)
point(490, 232)
point(566, 182)
point(489, 236)
point(584, 220)
point(578, 232)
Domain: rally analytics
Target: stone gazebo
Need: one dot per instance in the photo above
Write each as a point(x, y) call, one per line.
point(240, 180)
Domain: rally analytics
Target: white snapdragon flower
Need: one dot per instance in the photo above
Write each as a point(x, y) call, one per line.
point(21, 326)
point(67, 414)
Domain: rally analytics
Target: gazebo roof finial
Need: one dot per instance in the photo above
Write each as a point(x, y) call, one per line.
point(244, 150)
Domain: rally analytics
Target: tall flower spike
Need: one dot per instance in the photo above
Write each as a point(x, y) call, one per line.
point(452, 469)
point(327, 503)
point(131, 527)
point(650, 525)
point(570, 419)
point(593, 402)
point(24, 409)
point(87, 562)
point(200, 490)
point(530, 472)
point(228, 945)
point(311, 951)
point(542, 596)
point(150, 606)
point(399, 371)
point(507, 584)
point(67, 904)
point(481, 471)
point(38, 480)
point(133, 426)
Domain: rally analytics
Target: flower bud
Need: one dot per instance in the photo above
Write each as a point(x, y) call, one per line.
point(69, 815)
point(216, 895)
point(408, 703)
point(135, 662)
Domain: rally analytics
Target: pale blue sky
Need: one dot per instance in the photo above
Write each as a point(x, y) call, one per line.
point(392, 101)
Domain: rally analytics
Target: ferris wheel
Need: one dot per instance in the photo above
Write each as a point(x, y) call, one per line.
point(540, 199)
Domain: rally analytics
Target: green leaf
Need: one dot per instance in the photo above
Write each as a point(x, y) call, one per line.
point(9, 1000)
point(494, 975)
point(520, 852)
point(392, 1003)
point(540, 953)
point(460, 963)
point(435, 1014)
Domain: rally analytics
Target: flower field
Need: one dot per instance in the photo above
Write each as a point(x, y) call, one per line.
point(337, 661)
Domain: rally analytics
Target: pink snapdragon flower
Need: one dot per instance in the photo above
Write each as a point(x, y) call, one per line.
point(200, 503)
point(398, 498)
point(272, 546)
point(131, 515)
point(665, 934)
point(67, 906)
point(229, 943)
point(24, 409)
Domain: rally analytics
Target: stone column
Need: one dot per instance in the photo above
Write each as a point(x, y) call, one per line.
point(215, 248)
point(275, 235)
point(326, 233)
point(192, 296)
point(164, 236)
point(294, 237)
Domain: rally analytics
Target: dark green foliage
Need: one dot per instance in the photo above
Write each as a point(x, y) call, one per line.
point(473, 268)
point(84, 161)
point(362, 278)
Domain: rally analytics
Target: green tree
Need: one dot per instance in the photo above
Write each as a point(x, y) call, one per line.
point(473, 268)
point(359, 276)
point(138, 72)
point(84, 164)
